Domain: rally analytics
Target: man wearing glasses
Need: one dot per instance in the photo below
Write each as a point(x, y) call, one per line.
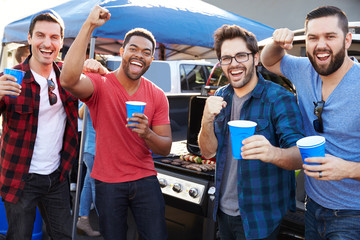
point(327, 85)
point(39, 139)
point(254, 193)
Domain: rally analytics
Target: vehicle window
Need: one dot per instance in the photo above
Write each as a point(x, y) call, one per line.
point(218, 78)
point(277, 79)
point(160, 74)
point(193, 77)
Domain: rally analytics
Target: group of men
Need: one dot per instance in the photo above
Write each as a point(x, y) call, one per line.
point(38, 145)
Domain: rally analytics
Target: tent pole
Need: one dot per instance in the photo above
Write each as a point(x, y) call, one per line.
point(79, 176)
point(92, 47)
point(3, 57)
point(81, 154)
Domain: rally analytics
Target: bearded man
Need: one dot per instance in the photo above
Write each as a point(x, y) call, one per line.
point(326, 84)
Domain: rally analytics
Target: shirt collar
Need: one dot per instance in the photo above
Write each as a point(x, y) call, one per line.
point(25, 66)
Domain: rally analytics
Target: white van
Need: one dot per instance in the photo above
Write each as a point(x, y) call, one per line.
point(180, 80)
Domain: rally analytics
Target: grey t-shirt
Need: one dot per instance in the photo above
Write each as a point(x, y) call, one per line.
point(341, 127)
point(228, 192)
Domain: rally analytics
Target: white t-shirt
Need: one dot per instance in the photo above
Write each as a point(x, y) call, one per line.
point(50, 132)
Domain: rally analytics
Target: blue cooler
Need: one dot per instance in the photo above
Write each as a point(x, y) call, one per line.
point(37, 231)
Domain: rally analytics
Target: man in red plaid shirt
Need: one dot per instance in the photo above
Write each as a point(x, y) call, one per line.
point(39, 140)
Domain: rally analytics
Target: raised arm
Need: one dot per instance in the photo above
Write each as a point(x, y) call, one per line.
point(273, 52)
point(71, 79)
point(207, 140)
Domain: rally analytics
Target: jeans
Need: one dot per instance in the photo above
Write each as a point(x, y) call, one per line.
point(231, 228)
point(88, 191)
point(53, 200)
point(329, 224)
point(145, 200)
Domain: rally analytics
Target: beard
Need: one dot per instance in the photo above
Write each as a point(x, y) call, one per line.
point(247, 77)
point(126, 66)
point(335, 63)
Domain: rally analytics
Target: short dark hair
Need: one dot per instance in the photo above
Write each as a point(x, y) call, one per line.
point(48, 16)
point(22, 51)
point(142, 33)
point(226, 32)
point(326, 11)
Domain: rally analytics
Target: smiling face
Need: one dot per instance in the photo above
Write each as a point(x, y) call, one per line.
point(136, 57)
point(326, 45)
point(45, 43)
point(239, 74)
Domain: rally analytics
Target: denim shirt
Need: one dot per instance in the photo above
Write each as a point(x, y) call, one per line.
point(265, 191)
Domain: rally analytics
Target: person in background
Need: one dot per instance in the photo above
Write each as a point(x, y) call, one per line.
point(326, 83)
point(22, 53)
point(39, 140)
point(252, 194)
point(75, 168)
point(88, 191)
point(123, 168)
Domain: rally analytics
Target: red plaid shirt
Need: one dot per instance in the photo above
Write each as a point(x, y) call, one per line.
point(20, 123)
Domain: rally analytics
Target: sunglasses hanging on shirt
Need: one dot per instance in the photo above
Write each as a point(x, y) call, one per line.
point(318, 123)
point(51, 88)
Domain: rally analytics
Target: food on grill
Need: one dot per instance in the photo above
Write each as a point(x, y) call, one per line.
point(178, 160)
point(194, 167)
point(208, 161)
point(192, 162)
point(200, 167)
point(191, 158)
point(166, 161)
point(209, 167)
point(185, 163)
point(204, 168)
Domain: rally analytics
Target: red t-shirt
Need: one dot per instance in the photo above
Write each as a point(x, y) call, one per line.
point(120, 154)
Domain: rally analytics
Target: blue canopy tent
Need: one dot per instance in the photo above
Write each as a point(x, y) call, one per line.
point(184, 28)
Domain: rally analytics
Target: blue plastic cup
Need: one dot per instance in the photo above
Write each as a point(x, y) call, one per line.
point(134, 107)
point(18, 74)
point(313, 146)
point(239, 130)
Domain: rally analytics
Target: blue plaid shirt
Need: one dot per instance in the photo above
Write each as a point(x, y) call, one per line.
point(265, 191)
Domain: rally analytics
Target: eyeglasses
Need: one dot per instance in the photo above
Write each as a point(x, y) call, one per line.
point(239, 57)
point(51, 88)
point(318, 123)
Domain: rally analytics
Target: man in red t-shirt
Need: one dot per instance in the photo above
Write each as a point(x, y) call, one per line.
point(123, 168)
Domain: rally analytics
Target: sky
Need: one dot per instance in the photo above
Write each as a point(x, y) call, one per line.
point(12, 10)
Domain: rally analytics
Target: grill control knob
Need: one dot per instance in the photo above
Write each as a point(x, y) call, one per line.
point(193, 192)
point(162, 182)
point(177, 187)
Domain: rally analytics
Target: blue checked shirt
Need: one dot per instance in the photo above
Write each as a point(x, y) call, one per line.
point(265, 191)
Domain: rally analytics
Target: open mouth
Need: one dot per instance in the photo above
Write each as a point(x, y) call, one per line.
point(323, 56)
point(136, 63)
point(237, 72)
point(46, 52)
